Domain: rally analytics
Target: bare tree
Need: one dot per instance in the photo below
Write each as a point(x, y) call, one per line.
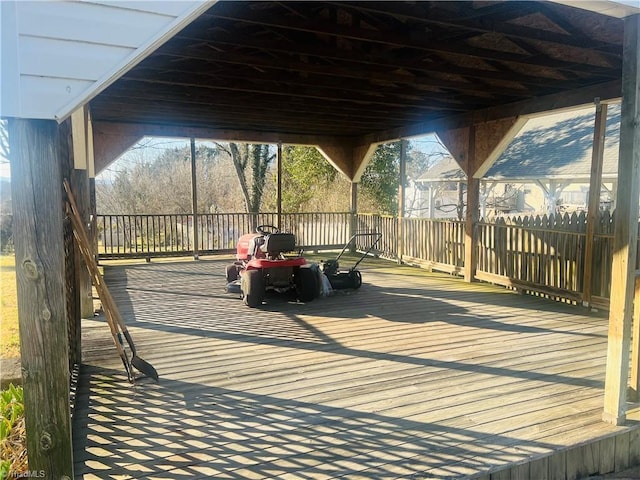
point(253, 157)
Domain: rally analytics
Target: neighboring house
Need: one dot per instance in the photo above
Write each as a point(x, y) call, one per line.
point(437, 193)
point(545, 169)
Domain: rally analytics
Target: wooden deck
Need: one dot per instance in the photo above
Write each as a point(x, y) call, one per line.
point(416, 375)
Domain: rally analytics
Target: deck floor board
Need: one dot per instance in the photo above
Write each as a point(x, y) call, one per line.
point(416, 375)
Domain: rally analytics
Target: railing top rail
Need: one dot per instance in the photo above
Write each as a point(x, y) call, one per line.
point(219, 214)
point(376, 215)
point(433, 220)
point(533, 228)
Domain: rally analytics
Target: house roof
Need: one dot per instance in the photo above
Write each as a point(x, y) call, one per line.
point(446, 170)
point(559, 146)
point(549, 147)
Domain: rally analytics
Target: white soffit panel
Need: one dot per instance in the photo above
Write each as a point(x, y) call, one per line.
point(58, 55)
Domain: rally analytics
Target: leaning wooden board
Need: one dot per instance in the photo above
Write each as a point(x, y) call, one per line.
point(111, 312)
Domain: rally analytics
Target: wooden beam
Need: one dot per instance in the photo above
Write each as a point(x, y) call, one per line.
point(91, 161)
point(457, 142)
point(635, 349)
point(582, 96)
point(79, 132)
point(471, 217)
point(401, 199)
point(82, 158)
point(492, 139)
point(353, 208)
point(108, 148)
point(139, 130)
point(37, 189)
point(279, 185)
point(194, 200)
point(597, 156)
point(348, 158)
point(362, 155)
point(80, 183)
point(626, 231)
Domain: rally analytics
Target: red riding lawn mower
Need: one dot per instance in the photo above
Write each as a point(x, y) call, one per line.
point(262, 266)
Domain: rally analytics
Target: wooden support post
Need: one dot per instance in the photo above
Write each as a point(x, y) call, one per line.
point(471, 217)
point(401, 194)
point(353, 207)
point(80, 184)
point(279, 185)
point(93, 218)
point(91, 170)
point(460, 196)
point(471, 221)
point(597, 155)
point(38, 232)
point(626, 231)
point(84, 288)
point(194, 201)
point(635, 348)
point(432, 210)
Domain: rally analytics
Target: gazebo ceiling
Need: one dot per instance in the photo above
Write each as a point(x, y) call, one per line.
point(358, 68)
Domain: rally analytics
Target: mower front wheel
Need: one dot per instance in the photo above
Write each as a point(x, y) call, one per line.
point(252, 286)
point(232, 271)
point(356, 278)
point(306, 284)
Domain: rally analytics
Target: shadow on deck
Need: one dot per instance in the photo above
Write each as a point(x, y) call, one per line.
point(416, 375)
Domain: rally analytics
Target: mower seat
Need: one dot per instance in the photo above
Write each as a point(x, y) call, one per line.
point(254, 249)
point(277, 243)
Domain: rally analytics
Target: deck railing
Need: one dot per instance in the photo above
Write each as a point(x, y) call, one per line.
point(387, 225)
point(131, 236)
point(438, 244)
point(544, 254)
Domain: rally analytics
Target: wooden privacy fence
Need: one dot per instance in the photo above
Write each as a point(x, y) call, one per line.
point(540, 254)
point(544, 254)
point(131, 236)
point(548, 255)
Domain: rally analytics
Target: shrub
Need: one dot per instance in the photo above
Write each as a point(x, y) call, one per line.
point(12, 433)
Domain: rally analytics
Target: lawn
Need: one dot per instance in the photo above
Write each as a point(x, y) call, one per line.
point(9, 337)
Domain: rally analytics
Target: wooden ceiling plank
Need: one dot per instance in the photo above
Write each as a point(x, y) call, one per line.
point(317, 77)
point(440, 67)
point(427, 103)
point(360, 88)
point(392, 39)
point(435, 14)
point(180, 48)
point(226, 105)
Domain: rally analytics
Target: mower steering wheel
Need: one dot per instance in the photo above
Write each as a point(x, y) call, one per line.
point(267, 229)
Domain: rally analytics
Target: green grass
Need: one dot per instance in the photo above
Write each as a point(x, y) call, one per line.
point(9, 334)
